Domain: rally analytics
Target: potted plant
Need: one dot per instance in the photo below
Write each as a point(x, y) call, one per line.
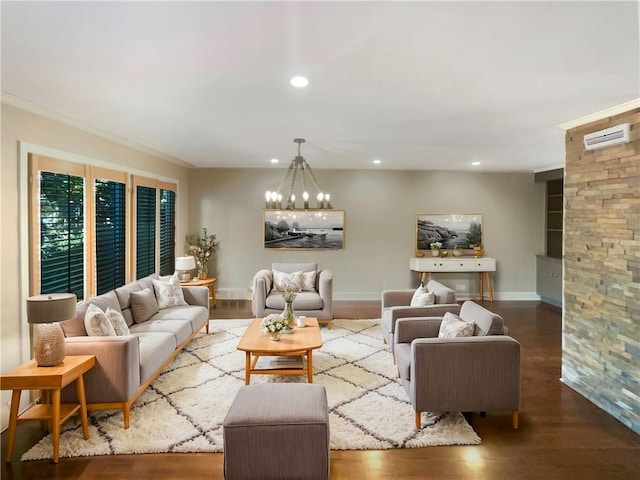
point(435, 248)
point(457, 251)
point(201, 247)
point(273, 324)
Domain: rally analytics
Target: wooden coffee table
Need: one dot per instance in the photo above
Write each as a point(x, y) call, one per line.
point(300, 343)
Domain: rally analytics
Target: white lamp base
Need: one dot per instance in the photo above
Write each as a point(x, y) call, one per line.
point(49, 347)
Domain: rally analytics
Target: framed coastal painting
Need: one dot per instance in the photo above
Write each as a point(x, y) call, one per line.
point(320, 229)
point(450, 229)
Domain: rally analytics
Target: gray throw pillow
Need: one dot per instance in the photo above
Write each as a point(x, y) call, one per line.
point(143, 305)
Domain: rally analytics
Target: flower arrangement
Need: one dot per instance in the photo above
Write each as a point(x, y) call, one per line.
point(290, 293)
point(436, 245)
point(273, 323)
point(201, 247)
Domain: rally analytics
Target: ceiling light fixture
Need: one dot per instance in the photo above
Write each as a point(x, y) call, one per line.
point(299, 168)
point(299, 81)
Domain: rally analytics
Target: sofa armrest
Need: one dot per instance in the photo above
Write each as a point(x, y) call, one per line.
point(393, 298)
point(325, 285)
point(262, 284)
point(116, 374)
point(466, 373)
point(408, 329)
point(196, 295)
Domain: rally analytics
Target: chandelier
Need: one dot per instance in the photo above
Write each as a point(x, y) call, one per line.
point(298, 169)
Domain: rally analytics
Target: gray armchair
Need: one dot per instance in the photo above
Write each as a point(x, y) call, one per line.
point(397, 304)
point(316, 303)
point(468, 374)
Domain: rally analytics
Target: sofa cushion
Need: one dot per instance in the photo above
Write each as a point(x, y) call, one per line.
point(117, 320)
point(402, 352)
point(168, 292)
point(452, 327)
point(303, 301)
point(124, 294)
point(155, 348)
point(147, 282)
point(282, 280)
point(180, 329)
point(294, 267)
point(75, 326)
point(309, 281)
point(197, 315)
point(487, 322)
point(97, 323)
point(106, 300)
point(143, 305)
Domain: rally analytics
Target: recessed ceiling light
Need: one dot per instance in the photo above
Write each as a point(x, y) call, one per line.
point(299, 81)
point(475, 164)
point(274, 160)
point(377, 161)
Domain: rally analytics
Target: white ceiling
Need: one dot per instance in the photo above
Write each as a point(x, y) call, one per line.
point(418, 85)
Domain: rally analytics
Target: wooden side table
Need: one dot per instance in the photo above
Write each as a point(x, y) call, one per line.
point(51, 380)
point(210, 283)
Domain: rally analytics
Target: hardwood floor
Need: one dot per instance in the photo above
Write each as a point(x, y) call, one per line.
point(561, 434)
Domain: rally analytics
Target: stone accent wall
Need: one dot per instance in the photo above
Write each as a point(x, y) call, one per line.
point(601, 333)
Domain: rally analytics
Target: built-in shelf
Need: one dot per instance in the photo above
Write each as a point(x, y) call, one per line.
point(554, 210)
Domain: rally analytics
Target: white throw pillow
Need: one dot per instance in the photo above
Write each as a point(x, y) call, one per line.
point(97, 324)
point(453, 326)
point(282, 279)
point(422, 297)
point(117, 320)
point(169, 292)
point(309, 281)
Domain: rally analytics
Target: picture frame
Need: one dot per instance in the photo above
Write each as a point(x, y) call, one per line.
point(313, 229)
point(462, 229)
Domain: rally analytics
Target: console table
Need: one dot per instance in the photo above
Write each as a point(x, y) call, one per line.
point(427, 266)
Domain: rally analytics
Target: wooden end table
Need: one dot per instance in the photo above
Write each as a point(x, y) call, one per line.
point(51, 380)
point(210, 283)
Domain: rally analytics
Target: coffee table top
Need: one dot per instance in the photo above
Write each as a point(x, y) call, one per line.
point(255, 340)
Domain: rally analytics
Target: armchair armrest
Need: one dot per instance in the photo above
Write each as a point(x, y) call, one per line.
point(408, 329)
point(262, 284)
point(196, 295)
point(325, 286)
point(116, 374)
point(436, 310)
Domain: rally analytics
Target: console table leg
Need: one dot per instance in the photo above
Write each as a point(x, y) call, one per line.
point(489, 285)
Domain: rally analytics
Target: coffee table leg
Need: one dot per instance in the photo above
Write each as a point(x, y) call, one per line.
point(310, 366)
point(247, 368)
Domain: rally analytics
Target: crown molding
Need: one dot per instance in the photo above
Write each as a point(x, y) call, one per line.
point(58, 116)
point(607, 112)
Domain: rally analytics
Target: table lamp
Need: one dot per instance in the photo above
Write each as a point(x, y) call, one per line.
point(184, 265)
point(46, 311)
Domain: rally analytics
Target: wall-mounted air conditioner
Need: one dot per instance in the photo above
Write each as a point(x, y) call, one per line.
point(607, 137)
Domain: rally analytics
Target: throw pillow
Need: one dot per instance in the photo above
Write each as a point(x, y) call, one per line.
point(118, 322)
point(97, 324)
point(453, 326)
point(309, 281)
point(169, 292)
point(143, 305)
point(422, 297)
point(282, 279)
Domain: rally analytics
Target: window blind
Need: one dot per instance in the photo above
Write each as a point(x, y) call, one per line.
point(145, 231)
point(167, 231)
point(110, 238)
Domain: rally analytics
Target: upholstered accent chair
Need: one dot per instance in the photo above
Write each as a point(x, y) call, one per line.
point(314, 300)
point(480, 373)
point(397, 304)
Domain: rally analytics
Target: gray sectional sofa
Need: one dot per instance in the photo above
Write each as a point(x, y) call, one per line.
point(126, 365)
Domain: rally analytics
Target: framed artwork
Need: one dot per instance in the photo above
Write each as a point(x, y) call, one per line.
point(304, 229)
point(450, 229)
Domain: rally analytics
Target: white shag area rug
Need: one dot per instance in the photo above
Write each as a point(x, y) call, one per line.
point(183, 409)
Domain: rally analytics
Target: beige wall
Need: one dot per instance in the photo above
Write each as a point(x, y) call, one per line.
point(380, 225)
point(21, 126)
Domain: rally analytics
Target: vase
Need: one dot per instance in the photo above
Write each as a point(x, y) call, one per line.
point(288, 316)
point(435, 253)
point(457, 252)
point(202, 275)
point(275, 336)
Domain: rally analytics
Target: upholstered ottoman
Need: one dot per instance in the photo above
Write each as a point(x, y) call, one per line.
point(277, 431)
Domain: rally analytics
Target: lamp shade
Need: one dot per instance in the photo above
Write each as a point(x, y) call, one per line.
point(185, 263)
point(51, 307)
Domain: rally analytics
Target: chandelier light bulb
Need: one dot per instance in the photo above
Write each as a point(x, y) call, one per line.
point(305, 195)
point(268, 195)
point(299, 81)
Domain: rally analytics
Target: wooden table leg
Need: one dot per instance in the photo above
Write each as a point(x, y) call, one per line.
point(489, 285)
point(310, 366)
point(481, 282)
point(55, 424)
point(82, 399)
point(13, 421)
point(247, 368)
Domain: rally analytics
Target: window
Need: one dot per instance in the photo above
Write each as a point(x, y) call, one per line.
point(80, 240)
